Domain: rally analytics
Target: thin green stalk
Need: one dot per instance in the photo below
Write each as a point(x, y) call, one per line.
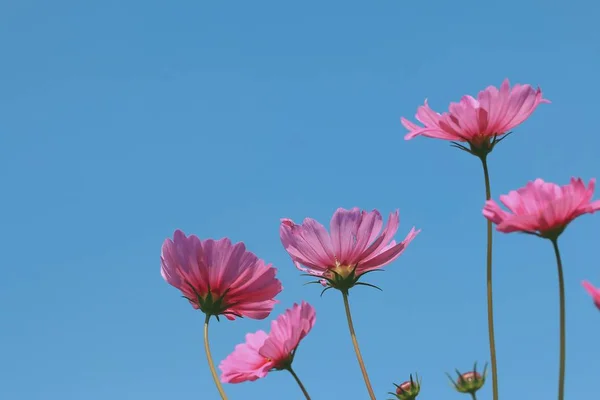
point(561, 291)
point(299, 382)
point(474, 396)
point(211, 364)
point(361, 363)
point(490, 301)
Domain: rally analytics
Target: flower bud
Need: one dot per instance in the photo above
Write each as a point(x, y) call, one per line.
point(408, 390)
point(469, 382)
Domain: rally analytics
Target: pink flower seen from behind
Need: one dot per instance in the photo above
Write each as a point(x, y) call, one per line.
point(354, 246)
point(542, 208)
point(264, 352)
point(219, 277)
point(593, 291)
point(477, 121)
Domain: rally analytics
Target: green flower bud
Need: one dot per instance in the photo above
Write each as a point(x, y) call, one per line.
point(408, 390)
point(469, 382)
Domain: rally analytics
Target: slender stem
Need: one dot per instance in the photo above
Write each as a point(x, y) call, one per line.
point(211, 364)
point(299, 382)
point(473, 395)
point(561, 291)
point(356, 349)
point(490, 301)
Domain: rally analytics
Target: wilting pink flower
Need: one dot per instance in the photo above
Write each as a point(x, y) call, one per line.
point(478, 121)
point(542, 208)
point(218, 277)
point(353, 247)
point(594, 292)
point(264, 352)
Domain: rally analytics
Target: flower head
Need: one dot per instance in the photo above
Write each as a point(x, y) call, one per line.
point(218, 277)
point(593, 291)
point(408, 390)
point(480, 121)
point(353, 247)
point(541, 208)
point(469, 382)
point(264, 352)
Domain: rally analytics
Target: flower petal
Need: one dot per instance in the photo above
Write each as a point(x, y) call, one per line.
point(245, 363)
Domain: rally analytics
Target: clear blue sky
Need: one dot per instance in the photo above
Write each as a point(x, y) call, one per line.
point(121, 121)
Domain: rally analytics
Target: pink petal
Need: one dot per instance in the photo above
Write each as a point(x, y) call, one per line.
point(493, 212)
point(344, 228)
point(287, 331)
point(590, 288)
point(594, 292)
point(388, 233)
point(309, 243)
point(245, 363)
point(388, 255)
point(367, 234)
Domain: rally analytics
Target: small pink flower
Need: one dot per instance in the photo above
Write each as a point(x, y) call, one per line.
point(264, 352)
point(594, 292)
point(354, 246)
point(478, 121)
point(541, 208)
point(218, 277)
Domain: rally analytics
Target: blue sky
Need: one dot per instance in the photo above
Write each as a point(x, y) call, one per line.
point(121, 121)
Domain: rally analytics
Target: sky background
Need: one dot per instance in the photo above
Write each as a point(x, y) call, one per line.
point(121, 121)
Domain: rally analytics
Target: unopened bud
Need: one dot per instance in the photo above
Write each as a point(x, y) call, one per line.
point(408, 390)
point(469, 382)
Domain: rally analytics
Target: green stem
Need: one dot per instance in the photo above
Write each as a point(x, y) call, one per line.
point(361, 363)
point(299, 382)
point(211, 364)
point(561, 291)
point(490, 301)
point(474, 396)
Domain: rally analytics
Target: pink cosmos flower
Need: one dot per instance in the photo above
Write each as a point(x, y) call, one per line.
point(541, 208)
point(594, 292)
point(218, 277)
point(264, 352)
point(477, 121)
point(354, 246)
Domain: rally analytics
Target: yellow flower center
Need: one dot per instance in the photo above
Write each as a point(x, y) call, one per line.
point(342, 270)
